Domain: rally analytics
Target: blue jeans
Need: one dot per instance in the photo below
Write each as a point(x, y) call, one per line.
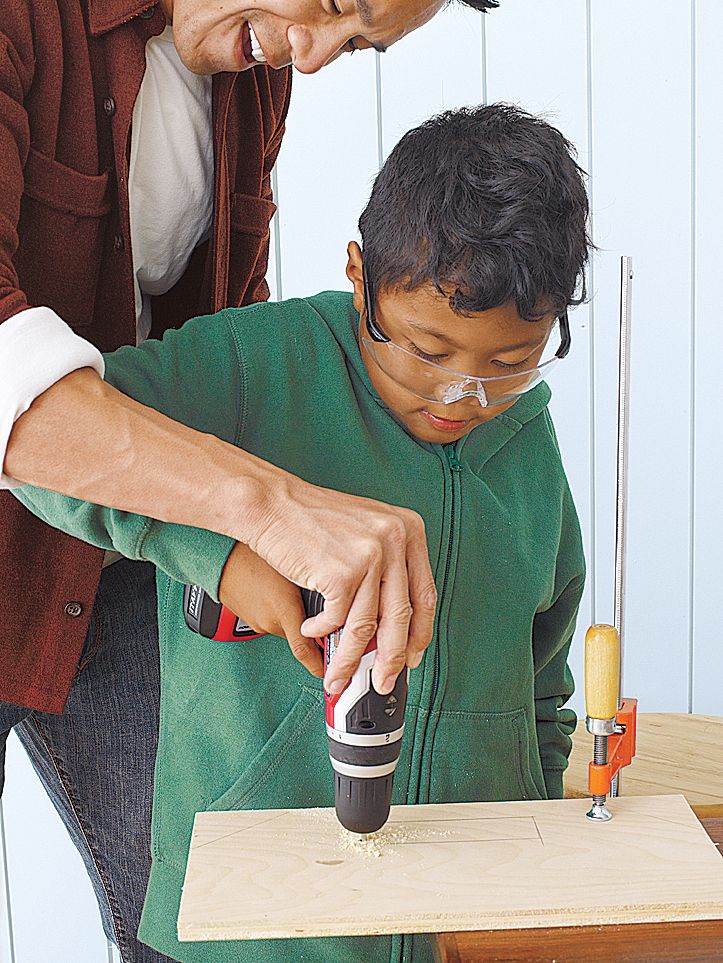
point(96, 760)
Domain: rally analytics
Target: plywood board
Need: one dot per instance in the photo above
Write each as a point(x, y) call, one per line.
point(458, 866)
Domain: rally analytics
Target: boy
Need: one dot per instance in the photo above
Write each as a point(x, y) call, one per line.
point(474, 246)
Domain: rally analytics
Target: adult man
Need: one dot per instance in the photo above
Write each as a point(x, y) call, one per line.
point(135, 192)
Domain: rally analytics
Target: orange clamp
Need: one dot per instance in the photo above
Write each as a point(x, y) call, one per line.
point(621, 750)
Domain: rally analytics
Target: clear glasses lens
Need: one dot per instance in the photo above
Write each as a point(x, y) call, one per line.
point(433, 382)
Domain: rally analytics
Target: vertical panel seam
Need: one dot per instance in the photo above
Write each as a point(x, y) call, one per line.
point(693, 322)
point(591, 282)
point(380, 124)
point(277, 236)
point(6, 884)
point(483, 54)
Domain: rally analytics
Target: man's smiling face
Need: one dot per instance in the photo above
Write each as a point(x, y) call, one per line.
point(232, 35)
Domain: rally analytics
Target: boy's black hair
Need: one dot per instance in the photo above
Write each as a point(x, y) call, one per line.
point(489, 205)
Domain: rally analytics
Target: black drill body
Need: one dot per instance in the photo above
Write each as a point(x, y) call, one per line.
point(364, 729)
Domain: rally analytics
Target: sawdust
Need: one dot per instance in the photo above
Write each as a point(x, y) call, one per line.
point(387, 839)
point(367, 846)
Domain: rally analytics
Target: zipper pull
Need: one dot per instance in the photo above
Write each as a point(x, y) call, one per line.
point(454, 462)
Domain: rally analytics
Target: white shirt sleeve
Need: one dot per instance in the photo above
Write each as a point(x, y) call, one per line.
point(37, 348)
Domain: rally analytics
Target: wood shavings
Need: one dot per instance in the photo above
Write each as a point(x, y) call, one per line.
point(367, 846)
point(388, 838)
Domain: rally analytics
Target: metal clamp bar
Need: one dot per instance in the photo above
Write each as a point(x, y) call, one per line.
point(621, 497)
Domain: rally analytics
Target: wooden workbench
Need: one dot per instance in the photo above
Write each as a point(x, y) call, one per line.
point(677, 753)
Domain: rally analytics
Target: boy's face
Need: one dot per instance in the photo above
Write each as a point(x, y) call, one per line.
point(489, 344)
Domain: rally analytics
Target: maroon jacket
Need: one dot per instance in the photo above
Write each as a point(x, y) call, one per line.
point(70, 71)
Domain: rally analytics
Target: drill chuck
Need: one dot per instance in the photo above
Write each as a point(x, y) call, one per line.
point(362, 805)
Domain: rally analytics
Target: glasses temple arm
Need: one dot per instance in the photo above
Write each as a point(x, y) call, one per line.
point(373, 329)
point(566, 340)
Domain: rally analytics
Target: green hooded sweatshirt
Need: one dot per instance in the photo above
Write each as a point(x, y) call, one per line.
point(242, 726)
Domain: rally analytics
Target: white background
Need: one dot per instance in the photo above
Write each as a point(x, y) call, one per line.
point(638, 87)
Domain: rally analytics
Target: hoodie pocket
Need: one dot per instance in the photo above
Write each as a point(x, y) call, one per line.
point(292, 769)
point(482, 757)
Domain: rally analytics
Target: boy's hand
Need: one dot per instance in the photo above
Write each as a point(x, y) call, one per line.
point(268, 602)
point(368, 560)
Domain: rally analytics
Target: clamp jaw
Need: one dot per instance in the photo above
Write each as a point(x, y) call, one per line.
point(619, 751)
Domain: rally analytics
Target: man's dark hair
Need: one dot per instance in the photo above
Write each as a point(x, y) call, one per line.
point(489, 205)
point(482, 5)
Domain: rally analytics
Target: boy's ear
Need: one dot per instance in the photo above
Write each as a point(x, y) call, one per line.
point(355, 273)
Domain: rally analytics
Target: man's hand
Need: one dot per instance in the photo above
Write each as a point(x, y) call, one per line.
point(368, 560)
point(268, 602)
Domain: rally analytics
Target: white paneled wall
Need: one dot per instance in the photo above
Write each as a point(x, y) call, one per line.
point(638, 88)
point(641, 136)
point(706, 353)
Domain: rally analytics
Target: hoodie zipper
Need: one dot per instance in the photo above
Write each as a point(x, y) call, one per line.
point(455, 467)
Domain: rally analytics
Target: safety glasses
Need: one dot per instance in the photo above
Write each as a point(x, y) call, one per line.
point(431, 381)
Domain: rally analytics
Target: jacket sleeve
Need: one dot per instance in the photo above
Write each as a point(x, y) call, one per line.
point(17, 67)
point(552, 636)
point(25, 331)
point(277, 92)
point(192, 376)
point(280, 97)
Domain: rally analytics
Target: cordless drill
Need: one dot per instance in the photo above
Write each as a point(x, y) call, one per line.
point(364, 729)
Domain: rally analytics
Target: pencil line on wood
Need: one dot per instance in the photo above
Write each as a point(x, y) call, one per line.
point(244, 829)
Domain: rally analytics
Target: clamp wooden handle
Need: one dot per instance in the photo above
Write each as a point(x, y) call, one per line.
point(602, 671)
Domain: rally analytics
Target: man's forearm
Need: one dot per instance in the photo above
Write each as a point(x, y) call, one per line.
point(84, 438)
